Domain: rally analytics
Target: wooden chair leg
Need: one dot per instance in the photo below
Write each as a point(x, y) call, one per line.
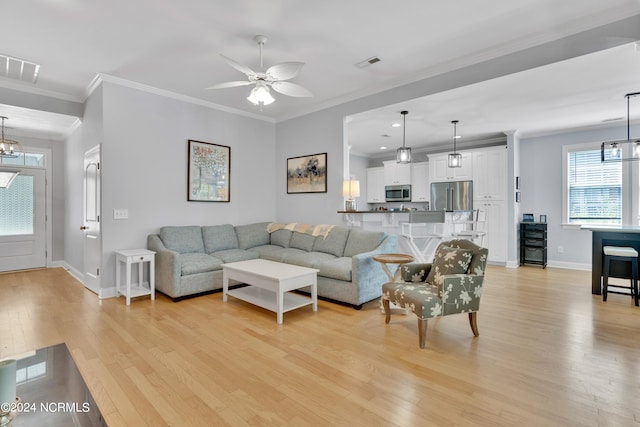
point(387, 310)
point(473, 323)
point(422, 331)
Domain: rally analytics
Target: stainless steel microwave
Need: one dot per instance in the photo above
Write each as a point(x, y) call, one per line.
point(397, 193)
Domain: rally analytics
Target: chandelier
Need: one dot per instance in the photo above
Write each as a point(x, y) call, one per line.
point(8, 148)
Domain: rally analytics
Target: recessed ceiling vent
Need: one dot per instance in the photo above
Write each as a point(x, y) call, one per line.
point(367, 62)
point(18, 69)
point(613, 119)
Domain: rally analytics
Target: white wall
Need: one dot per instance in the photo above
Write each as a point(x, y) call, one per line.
point(541, 190)
point(144, 168)
point(73, 201)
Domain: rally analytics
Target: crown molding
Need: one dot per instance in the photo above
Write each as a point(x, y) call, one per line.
point(101, 77)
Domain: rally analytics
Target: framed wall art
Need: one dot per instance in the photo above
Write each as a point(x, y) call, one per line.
point(208, 172)
point(307, 174)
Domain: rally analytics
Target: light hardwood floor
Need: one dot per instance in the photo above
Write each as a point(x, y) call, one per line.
point(549, 353)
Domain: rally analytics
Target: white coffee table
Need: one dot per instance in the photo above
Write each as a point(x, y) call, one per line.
point(270, 283)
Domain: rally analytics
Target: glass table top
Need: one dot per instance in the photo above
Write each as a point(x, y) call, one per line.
point(52, 391)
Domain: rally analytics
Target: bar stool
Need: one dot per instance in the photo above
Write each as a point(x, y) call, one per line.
point(619, 253)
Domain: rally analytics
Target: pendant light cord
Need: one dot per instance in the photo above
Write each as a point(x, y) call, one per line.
point(455, 122)
point(404, 126)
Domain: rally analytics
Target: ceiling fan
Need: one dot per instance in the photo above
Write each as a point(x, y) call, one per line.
point(273, 77)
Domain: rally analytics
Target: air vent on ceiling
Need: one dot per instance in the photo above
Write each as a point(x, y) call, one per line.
point(613, 119)
point(368, 62)
point(18, 69)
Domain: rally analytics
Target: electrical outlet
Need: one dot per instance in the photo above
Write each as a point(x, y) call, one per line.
point(560, 249)
point(121, 214)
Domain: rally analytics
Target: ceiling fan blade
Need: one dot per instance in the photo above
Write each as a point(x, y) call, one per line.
point(291, 89)
point(238, 66)
point(229, 84)
point(284, 71)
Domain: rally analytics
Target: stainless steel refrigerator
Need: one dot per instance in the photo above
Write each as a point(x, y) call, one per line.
point(452, 196)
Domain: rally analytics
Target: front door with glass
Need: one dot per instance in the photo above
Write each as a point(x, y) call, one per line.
point(23, 237)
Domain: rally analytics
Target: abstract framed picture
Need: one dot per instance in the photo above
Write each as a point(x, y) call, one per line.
point(209, 168)
point(307, 174)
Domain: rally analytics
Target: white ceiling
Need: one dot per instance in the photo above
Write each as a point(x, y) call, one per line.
point(580, 93)
point(176, 47)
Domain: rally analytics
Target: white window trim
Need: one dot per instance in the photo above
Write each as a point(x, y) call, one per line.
point(629, 169)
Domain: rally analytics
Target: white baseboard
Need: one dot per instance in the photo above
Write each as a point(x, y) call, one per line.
point(72, 271)
point(103, 293)
point(109, 292)
point(569, 265)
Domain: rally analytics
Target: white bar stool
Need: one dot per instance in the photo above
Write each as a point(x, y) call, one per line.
point(620, 253)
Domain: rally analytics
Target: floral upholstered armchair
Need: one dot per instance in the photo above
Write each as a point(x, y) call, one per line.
point(451, 284)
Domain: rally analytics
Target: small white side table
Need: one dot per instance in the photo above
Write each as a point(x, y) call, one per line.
point(136, 256)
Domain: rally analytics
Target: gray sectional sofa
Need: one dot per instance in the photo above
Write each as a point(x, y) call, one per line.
point(189, 258)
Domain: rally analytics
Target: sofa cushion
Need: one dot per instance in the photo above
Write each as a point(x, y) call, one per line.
point(448, 260)
point(361, 241)
point(275, 253)
point(334, 243)
point(219, 238)
point(194, 263)
point(252, 235)
point(235, 255)
point(308, 259)
point(281, 238)
point(302, 241)
point(183, 239)
point(337, 268)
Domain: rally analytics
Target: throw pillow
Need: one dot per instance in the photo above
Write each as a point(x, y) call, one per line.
point(448, 261)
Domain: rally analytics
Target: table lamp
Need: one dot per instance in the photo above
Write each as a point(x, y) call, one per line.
point(350, 189)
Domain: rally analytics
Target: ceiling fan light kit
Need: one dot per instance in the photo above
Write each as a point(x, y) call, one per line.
point(403, 154)
point(273, 78)
point(615, 151)
point(260, 95)
point(454, 160)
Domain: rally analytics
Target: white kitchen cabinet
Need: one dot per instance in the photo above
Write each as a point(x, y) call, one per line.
point(420, 187)
point(439, 170)
point(496, 228)
point(397, 173)
point(375, 185)
point(490, 174)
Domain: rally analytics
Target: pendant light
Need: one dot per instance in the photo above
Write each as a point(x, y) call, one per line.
point(455, 159)
point(615, 151)
point(404, 153)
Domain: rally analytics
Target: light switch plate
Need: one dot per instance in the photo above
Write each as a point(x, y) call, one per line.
point(121, 214)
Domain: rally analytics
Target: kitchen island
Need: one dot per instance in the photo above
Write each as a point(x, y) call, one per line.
point(421, 240)
point(616, 235)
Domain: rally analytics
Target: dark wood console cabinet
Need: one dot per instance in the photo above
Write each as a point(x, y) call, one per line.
point(533, 243)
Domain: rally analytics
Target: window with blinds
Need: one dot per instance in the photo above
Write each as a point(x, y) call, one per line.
point(595, 189)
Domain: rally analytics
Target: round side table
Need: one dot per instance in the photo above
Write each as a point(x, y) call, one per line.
point(399, 259)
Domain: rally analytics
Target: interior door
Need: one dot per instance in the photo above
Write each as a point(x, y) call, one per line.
point(91, 226)
point(23, 236)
